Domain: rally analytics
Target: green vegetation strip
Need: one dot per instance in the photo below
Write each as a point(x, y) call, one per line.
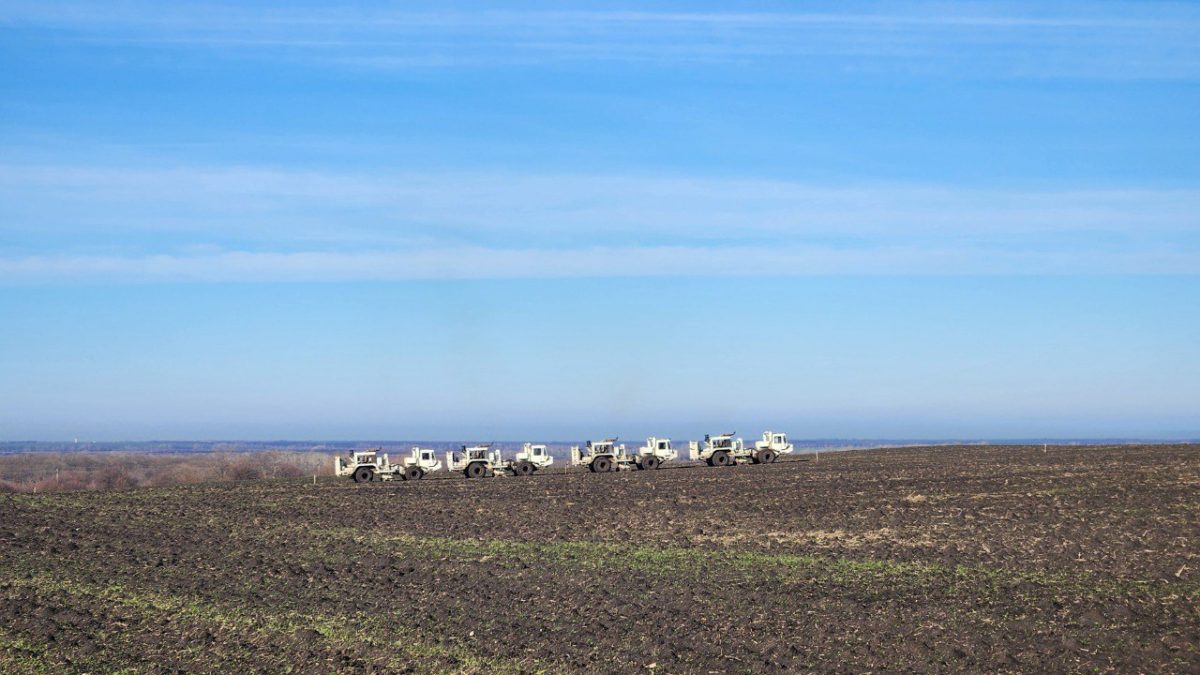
point(675, 561)
point(19, 656)
point(407, 651)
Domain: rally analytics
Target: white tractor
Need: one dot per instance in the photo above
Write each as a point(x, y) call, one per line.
point(655, 452)
point(475, 461)
point(725, 450)
point(368, 465)
point(478, 461)
point(606, 455)
point(772, 445)
point(598, 456)
point(529, 459)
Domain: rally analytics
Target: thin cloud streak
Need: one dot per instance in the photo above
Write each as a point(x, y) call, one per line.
point(272, 202)
point(595, 262)
point(230, 17)
point(1139, 40)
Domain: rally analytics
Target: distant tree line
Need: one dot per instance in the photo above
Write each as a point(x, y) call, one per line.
point(60, 472)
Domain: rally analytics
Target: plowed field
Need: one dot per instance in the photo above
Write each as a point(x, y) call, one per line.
point(944, 559)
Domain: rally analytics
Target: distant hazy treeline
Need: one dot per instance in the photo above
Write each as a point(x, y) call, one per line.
point(53, 472)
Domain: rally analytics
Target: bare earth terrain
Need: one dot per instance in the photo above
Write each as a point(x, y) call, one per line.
point(944, 559)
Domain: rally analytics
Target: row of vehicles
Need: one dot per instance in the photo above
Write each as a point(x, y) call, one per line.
point(480, 461)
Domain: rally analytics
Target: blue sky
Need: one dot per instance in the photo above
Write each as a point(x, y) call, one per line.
point(404, 220)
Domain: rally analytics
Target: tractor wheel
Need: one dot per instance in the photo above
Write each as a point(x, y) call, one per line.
point(523, 469)
point(475, 470)
point(708, 461)
point(601, 465)
point(414, 473)
point(721, 458)
point(363, 474)
point(766, 456)
point(651, 463)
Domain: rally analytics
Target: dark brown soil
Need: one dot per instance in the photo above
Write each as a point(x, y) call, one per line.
point(934, 559)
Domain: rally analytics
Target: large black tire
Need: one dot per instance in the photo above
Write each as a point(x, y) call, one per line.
point(651, 463)
point(601, 465)
point(766, 456)
point(363, 474)
point(721, 458)
point(413, 473)
point(523, 469)
point(475, 470)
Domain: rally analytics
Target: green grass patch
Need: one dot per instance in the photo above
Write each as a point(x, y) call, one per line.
point(406, 650)
point(691, 562)
point(21, 657)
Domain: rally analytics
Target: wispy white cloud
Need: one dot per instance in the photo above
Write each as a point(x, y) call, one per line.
point(1114, 40)
point(275, 202)
point(544, 263)
point(253, 223)
point(246, 17)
